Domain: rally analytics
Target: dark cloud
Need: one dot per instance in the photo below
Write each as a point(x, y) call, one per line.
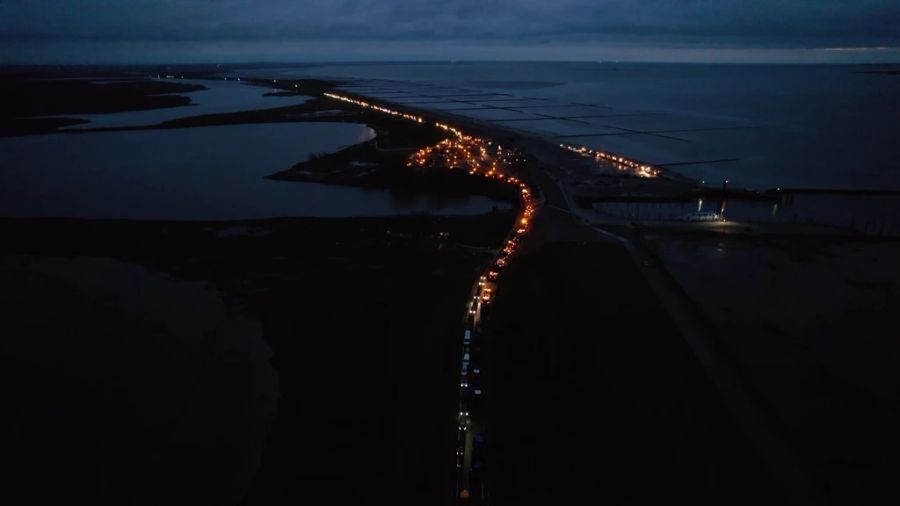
point(25, 24)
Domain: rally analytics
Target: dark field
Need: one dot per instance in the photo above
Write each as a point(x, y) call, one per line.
point(25, 96)
point(595, 398)
point(363, 317)
point(30, 95)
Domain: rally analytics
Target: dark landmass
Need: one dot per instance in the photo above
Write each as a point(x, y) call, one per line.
point(363, 316)
point(107, 71)
point(32, 92)
point(46, 93)
point(381, 163)
point(593, 395)
point(587, 199)
point(34, 126)
point(39, 97)
point(74, 95)
point(595, 398)
point(26, 97)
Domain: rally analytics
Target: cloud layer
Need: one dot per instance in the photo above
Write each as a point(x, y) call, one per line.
point(755, 24)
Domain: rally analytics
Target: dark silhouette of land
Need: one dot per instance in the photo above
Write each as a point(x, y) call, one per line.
point(28, 97)
point(596, 398)
point(592, 394)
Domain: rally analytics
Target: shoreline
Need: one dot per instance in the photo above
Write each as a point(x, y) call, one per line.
point(562, 215)
point(560, 222)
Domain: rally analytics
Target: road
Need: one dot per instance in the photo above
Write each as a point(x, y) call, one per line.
point(556, 218)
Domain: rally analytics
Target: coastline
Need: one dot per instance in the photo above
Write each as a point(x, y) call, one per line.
point(226, 245)
point(559, 223)
point(795, 473)
point(646, 256)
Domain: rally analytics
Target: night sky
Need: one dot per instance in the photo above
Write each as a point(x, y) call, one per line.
point(86, 31)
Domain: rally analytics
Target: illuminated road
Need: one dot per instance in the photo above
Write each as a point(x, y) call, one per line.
point(478, 157)
point(560, 220)
point(540, 188)
point(482, 157)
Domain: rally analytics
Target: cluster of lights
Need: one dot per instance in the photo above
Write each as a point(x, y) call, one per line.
point(620, 163)
point(512, 244)
point(483, 158)
point(450, 129)
point(475, 155)
point(484, 295)
point(376, 107)
point(478, 157)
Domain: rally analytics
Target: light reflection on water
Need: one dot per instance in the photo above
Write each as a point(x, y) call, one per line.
point(869, 214)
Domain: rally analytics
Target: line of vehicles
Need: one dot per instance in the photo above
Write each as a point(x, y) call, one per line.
point(621, 163)
point(471, 437)
point(703, 216)
point(479, 157)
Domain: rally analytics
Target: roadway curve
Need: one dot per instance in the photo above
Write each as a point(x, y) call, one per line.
point(558, 220)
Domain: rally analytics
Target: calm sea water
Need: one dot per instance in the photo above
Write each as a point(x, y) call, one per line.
point(220, 97)
point(213, 173)
point(808, 126)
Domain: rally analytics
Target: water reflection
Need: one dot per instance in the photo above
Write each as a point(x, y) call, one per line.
point(196, 173)
point(220, 97)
